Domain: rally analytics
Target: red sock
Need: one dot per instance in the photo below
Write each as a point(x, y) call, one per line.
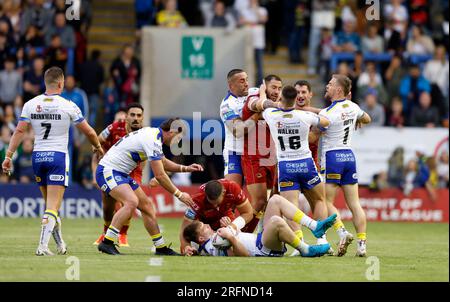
point(124, 229)
point(105, 228)
point(251, 226)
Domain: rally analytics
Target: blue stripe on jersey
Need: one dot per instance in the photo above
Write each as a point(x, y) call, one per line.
point(334, 103)
point(135, 156)
point(202, 247)
point(284, 110)
point(24, 119)
point(228, 95)
point(109, 178)
point(231, 117)
point(79, 120)
point(159, 135)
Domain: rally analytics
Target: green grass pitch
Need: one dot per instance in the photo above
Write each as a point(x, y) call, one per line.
point(405, 251)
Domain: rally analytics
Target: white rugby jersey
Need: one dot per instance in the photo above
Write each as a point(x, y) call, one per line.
point(289, 130)
point(51, 116)
point(343, 115)
point(231, 108)
point(247, 239)
point(143, 144)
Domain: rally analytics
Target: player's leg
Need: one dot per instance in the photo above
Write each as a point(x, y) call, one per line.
point(292, 196)
point(359, 216)
point(148, 211)
point(277, 232)
point(316, 199)
point(258, 199)
point(279, 206)
point(109, 205)
point(123, 234)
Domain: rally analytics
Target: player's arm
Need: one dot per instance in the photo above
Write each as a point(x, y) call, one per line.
point(323, 122)
point(14, 143)
point(259, 104)
point(171, 166)
point(238, 249)
point(314, 135)
point(363, 120)
point(164, 180)
point(239, 127)
point(246, 215)
point(90, 133)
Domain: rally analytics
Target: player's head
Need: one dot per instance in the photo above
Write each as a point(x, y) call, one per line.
point(173, 130)
point(197, 232)
point(215, 192)
point(238, 82)
point(54, 79)
point(120, 115)
point(273, 87)
point(304, 93)
point(338, 87)
point(289, 95)
point(135, 116)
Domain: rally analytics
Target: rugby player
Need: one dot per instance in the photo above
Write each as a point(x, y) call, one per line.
point(50, 116)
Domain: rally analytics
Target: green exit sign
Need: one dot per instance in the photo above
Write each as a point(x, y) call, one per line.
point(197, 57)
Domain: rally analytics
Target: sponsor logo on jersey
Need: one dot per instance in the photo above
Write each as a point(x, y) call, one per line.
point(259, 175)
point(231, 166)
point(38, 179)
point(314, 180)
point(118, 178)
point(55, 177)
point(103, 188)
point(355, 175)
point(288, 115)
point(279, 125)
point(333, 176)
point(285, 184)
point(38, 108)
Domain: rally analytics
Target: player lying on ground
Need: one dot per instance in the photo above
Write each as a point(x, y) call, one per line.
point(270, 242)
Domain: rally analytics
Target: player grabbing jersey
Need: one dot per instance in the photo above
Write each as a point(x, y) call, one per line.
point(50, 116)
point(338, 163)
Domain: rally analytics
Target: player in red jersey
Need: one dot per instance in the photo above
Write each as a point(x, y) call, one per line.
point(215, 204)
point(259, 157)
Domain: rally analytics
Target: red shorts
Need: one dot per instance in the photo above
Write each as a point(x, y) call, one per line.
point(254, 173)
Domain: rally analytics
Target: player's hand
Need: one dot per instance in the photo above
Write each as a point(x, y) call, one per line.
point(7, 166)
point(225, 233)
point(195, 168)
point(189, 251)
point(153, 183)
point(358, 125)
point(225, 221)
point(262, 90)
point(187, 200)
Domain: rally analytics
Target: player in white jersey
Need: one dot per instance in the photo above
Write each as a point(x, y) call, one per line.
point(338, 162)
point(235, 128)
point(113, 178)
point(50, 116)
point(289, 129)
point(271, 241)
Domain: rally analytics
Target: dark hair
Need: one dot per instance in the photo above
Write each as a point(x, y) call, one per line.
point(166, 125)
point(134, 105)
point(344, 82)
point(190, 233)
point(233, 72)
point(11, 59)
point(213, 189)
point(271, 77)
point(289, 94)
point(53, 75)
point(95, 54)
point(303, 83)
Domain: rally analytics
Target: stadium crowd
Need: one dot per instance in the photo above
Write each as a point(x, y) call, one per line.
point(398, 64)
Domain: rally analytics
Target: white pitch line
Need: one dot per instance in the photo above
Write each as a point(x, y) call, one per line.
point(155, 261)
point(153, 279)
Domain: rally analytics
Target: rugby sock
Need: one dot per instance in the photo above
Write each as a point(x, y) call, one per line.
point(299, 234)
point(322, 240)
point(57, 232)
point(305, 220)
point(299, 245)
point(361, 236)
point(338, 226)
point(111, 235)
point(47, 225)
point(124, 229)
point(158, 241)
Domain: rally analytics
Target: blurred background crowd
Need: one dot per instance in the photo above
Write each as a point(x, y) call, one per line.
point(398, 64)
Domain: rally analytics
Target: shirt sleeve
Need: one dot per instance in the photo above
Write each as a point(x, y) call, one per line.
point(359, 112)
point(25, 115)
point(228, 112)
point(153, 147)
point(238, 193)
point(106, 132)
point(190, 214)
point(75, 113)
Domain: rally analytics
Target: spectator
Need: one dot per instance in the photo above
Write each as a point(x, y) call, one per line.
point(442, 169)
point(395, 168)
point(436, 71)
point(375, 110)
point(379, 182)
point(76, 95)
point(144, 12)
point(371, 71)
point(91, 76)
point(5, 50)
point(12, 13)
point(326, 51)
point(219, 17)
point(9, 118)
point(395, 117)
point(170, 16)
point(397, 15)
point(254, 17)
point(347, 40)
point(34, 80)
point(296, 13)
point(418, 11)
point(110, 102)
point(56, 54)
point(126, 72)
point(36, 15)
point(369, 81)
point(5, 137)
point(419, 43)
point(372, 42)
point(10, 82)
point(393, 76)
point(32, 38)
point(64, 31)
point(190, 10)
point(24, 164)
point(424, 115)
point(411, 87)
point(5, 28)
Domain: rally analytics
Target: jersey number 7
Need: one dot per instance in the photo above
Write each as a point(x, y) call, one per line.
point(47, 126)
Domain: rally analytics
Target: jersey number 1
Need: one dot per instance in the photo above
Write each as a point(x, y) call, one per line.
point(347, 131)
point(47, 126)
point(294, 143)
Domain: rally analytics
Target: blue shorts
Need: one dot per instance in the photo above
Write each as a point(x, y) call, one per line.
point(297, 175)
point(232, 162)
point(107, 179)
point(340, 167)
point(51, 168)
